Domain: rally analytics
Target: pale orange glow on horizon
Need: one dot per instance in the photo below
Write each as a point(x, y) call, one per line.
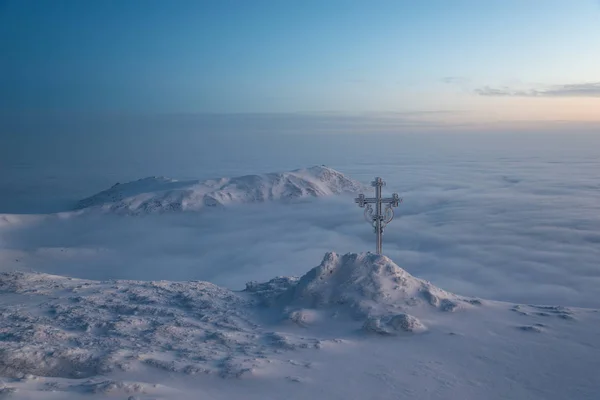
point(520, 112)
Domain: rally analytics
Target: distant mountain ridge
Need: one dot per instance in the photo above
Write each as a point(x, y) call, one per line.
point(161, 194)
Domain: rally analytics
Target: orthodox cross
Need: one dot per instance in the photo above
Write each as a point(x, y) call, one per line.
point(378, 219)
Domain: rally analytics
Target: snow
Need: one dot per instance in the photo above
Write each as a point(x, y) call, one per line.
point(391, 325)
point(160, 194)
point(365, 285)
point(356, 326)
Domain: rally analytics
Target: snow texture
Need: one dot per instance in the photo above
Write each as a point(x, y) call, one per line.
point(84, 328)
point(360, 285)
point(160, 194)
point(394, 324)
point(127, 338)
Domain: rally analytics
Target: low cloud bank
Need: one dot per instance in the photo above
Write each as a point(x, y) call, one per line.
point(508, 230)
point(507, 217)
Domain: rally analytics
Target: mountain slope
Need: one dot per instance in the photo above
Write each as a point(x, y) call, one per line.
point(137, 322)
point(160, 194)
point(356, 326)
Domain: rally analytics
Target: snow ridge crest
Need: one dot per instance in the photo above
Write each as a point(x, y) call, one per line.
point(160, 194)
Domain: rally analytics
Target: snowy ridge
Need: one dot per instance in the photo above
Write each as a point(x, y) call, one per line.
point(94, 327)
point(83, 337)
point(367, 285)
point(160, 194)
point(362, 286)
point(138, 323)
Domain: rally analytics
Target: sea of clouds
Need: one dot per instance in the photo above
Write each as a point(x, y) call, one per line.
point(506, 217)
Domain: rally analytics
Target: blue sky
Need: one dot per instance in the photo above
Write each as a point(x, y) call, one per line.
point(485, 60)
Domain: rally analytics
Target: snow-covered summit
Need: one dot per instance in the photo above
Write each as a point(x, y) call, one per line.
point(367, 283)
point(365, 286)
point(139, 323)
point(160, 194)
point(136, 338)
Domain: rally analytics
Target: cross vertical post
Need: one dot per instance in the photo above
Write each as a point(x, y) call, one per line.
point(378, 183)
point(380, 218)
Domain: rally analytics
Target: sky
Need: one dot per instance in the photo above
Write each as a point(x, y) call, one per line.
point(428, 64)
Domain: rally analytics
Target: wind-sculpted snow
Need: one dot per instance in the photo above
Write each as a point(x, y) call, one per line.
point(160, 194)
point(363, 286)
point(394, 324)
point(91, 337)
point(82, 328)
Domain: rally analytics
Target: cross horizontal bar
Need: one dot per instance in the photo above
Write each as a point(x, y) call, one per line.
point(374, 200)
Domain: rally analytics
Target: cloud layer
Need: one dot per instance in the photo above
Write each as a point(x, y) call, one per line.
point(590, 89)
point(504, 217)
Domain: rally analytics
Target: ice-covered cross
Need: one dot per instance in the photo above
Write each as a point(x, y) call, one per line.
point(378, 218)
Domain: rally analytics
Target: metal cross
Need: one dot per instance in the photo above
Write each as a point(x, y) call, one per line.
point(379, 219)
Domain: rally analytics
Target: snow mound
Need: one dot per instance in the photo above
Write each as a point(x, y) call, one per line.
point(365, 285)
point(78, 329)
point(160, 194)
point(393, 325)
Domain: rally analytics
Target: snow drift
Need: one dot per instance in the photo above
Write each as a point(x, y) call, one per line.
point(160, 194)
point(116, 337)
point(362, 285)
point(75, 328)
